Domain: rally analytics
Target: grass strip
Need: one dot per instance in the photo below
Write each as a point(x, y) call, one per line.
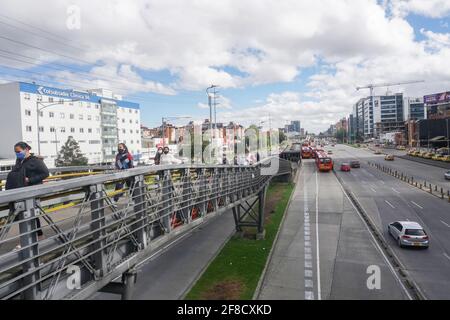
point(235, 272)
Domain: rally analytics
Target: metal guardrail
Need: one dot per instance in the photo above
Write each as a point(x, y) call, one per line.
point(90, 239)
point(435, 190)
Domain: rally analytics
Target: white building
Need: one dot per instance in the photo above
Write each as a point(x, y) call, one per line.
point(97, 119)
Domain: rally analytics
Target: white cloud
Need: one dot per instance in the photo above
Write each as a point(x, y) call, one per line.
point(429, 8)
point(236, 44)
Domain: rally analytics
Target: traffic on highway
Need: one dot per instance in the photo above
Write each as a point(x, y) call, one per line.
point(407, 223)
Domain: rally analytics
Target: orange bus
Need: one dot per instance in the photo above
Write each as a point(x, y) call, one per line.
point(324, 162)
point(306, 153)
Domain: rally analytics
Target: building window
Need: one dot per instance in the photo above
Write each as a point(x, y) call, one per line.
point(39, 98)
point(72, 116)
point(97, 118)
point(26, 96)
point(41, 113)
point(41, 129)
point(130, 110)
point(28, 112)
point(72, 130)
point(131, 121)
point(51, 114)
point(62, 115)
point(131, 141)
point(52, 129)
point(81, 130)
point(28, 128)
point(70, 103)
point(89, 130)
point(124, 131)
point(50, 99)
point(97, 106)
point(137, 121)
point(131, 131)
point(89, 117)
point(62, 130)
point(61, 101)
point(80, 117)
point(135, 111)
point(123, 120)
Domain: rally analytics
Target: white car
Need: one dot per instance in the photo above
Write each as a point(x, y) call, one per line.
point(409, 234)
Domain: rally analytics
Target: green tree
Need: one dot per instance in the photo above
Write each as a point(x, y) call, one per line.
point(70, 155)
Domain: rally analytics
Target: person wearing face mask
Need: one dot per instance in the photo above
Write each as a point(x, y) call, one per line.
point(124, 160)
point(158, 156)
point(29, 170)
point(167, 158)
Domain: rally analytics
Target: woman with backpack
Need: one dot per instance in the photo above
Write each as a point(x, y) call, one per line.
point(29, 170)
point(124, 160)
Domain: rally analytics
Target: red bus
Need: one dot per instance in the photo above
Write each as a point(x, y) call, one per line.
point(306, 153)
point(324, 162)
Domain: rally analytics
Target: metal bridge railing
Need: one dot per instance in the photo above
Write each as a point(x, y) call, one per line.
point(94, 233)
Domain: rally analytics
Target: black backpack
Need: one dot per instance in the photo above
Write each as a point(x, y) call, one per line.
point(16, 177)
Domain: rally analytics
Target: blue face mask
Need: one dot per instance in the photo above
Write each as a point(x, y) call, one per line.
point(20, 155)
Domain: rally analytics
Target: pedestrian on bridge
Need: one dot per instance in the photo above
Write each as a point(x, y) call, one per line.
point(158, 156)
point(29, 170)
point(124, 160)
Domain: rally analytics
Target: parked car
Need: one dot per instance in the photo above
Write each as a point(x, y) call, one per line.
point(345, 167)
point(428, 155)
point(401, 148)
point(409, 234)
point(355, 164)
point(389, 157)
point(377, 151)
point(444, 158)
point(447, 175)
point(330, 152)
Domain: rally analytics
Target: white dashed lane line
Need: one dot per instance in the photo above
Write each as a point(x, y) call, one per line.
point(417, 205)
point(390, 204)
point(446, 224)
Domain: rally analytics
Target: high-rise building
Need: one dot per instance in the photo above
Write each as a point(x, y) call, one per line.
point(97, 119)
point(414, 109)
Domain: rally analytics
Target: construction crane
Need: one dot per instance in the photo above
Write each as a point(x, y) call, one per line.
point(372, 86)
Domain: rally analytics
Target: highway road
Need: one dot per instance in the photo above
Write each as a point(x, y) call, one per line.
point(420, 171)
point(387, 199)
point(170, 272)
point(324, 250)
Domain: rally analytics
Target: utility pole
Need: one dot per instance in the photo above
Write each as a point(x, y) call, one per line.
point(210, 104)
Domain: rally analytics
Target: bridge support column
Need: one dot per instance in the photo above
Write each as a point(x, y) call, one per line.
point(167, 194)
point(29, 244)
point(96, 197)
point(140, 206)
point(124, 288)
point(251, 214)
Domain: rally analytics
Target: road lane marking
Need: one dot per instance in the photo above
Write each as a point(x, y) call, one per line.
point(309, 283)
point(419, 206)
point(395, 190)
point(373, 190)
point(446, 224)
point(390, 204)
point(446, 255)
point(374, 241)
point(317, 239)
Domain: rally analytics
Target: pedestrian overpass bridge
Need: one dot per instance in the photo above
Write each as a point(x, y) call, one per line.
point(91, 240)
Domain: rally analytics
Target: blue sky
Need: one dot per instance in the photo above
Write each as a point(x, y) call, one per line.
point(293, 60)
